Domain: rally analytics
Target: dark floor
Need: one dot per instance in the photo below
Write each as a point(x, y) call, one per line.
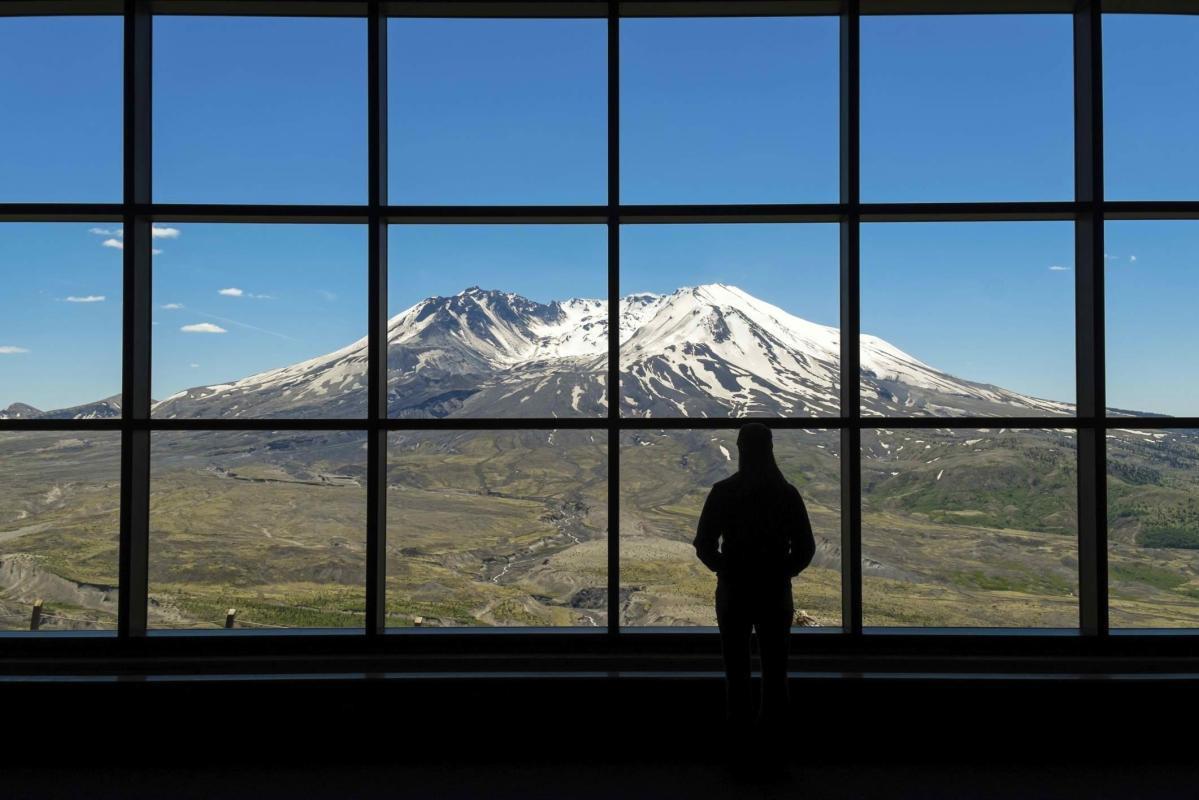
point(565, 780)
point(536, 737)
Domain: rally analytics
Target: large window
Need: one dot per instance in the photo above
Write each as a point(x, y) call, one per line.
point(354, 317)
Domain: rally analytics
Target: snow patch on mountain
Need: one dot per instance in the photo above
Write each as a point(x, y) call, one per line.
point(700, 351)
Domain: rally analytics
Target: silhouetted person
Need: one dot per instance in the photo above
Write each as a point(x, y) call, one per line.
point(754, 533)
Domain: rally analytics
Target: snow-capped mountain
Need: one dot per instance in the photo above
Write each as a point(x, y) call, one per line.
point(710, 350)
point(108, 408)
point(476, 353)
point(714, 350)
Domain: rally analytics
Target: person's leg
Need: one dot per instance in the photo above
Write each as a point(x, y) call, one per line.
point(773, 624)
point(735, 628)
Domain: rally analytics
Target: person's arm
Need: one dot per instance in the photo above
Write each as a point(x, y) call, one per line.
point(803, 543)
point(707, 534)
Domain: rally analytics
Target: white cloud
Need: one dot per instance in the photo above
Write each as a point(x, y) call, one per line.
point(8, 350)
point(172, 306)
point(117, 244)
point(1132, 259)
point(119, 233)
point(193, 366)
point(330, 296)
point(1058, 268)
point(233, 291)
point(1110, 257)
point(91, 298)
point(203, 327)
point(246, 326)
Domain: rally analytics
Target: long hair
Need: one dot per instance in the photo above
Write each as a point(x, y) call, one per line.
point(763, 493)
point(760, 473)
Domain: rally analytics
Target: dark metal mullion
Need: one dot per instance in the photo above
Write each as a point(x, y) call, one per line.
point(1004, 211)
point(376, 447)
point(1147, 423)
point(584, 215)
point(613, 379)
point(22, 8)
point(851, 410)
point(565, 9)
point(497, 215)
point(1151, 209)
point(62, 212)
point(133, 554)
point(254, 213)
point(965, 423)
point(265, 424)
point(61, 425)
point(730, 213)
point(265, 8)
point(1089, 319)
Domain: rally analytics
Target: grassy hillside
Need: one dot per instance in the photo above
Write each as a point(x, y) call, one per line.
point(960, 528)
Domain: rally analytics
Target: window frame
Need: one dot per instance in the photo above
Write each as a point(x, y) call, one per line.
point(852, 645)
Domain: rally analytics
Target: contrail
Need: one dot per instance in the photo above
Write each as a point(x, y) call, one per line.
point(246, 325)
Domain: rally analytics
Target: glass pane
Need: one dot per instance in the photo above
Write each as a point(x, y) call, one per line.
point(1150, 288)
point(967, 107)
point(730, 320)
point(498, 528)
point(1151, 106)
point(61, 91)
point(968, 319)
point(729, 110)
point(969, 528)
point(60, 321)
point(665, 477)
point(1153, 528)
point(497, 111)
point(254, 321)
point(60, 501)
point(269, 523)
point(259, 110)
point(498, 321)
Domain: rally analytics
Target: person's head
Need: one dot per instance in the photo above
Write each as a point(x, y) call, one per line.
point(755, 448)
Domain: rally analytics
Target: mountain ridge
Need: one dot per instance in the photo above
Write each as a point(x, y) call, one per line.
point(706, 350)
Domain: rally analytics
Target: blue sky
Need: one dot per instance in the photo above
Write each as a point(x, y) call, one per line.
point(729, 111)
point(248, 110)
point(967, 108)
point(494, 112)
point(512, 111)
point(1152, 279)
point(254, 297)
point(61, 89)
point(541, 262)
point(793, 266)
point(60, 315)
point(1151, 106)
point(987, 301)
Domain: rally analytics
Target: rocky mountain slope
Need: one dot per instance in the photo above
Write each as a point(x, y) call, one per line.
point(710, 350)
